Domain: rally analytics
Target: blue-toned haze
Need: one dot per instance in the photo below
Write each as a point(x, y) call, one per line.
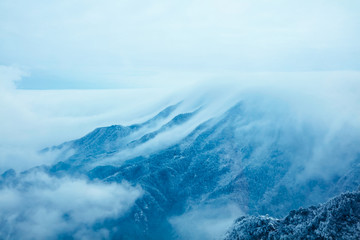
point(171, 119)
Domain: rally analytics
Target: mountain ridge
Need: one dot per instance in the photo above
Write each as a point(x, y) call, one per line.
point(243, 157)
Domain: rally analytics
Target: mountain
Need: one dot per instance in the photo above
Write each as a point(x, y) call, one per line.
point(339, 218)
point(249, 156)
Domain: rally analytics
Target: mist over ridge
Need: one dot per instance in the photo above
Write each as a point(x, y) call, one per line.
point(179, 120)
point(206, 155)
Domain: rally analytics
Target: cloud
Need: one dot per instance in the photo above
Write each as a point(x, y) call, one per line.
point(9, 76)
point(32, 120)
point(38, 206)
point(313, 117)
point(206, 222)
point(316, 115)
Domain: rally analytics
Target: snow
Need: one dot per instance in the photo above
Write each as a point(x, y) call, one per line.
point(339, 218)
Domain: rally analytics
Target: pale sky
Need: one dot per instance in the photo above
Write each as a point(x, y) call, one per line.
point(120, 44)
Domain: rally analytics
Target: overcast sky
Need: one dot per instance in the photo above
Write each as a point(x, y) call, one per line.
point(128, 43)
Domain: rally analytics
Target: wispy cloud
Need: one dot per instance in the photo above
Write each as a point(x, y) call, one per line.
point(37, 206)
point(32, 120)
point(206, 222)
point(313, 116)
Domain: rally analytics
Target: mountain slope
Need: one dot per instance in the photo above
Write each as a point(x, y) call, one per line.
point(224, 160)
point(251, 157)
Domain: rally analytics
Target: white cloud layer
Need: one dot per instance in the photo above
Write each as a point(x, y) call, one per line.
point(32, 120)
point(42, 207)
point(206, 222)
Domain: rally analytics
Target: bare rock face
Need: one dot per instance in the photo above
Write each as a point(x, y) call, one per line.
point(339, 218)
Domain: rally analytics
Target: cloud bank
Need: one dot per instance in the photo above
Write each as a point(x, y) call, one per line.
point(38, 206)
